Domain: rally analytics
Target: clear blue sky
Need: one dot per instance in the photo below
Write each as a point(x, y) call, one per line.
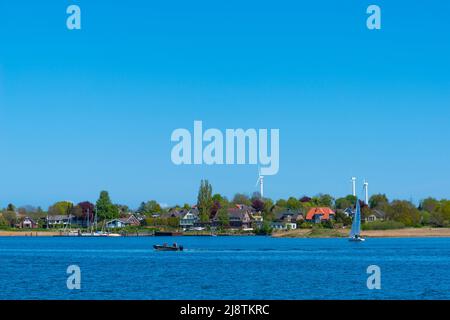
point(82, 111)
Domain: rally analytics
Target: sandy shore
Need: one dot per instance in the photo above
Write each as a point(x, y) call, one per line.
point(397, 233)
point(299, 233)
point(28, 233)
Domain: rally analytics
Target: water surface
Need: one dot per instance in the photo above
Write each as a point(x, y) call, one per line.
point(223, 268)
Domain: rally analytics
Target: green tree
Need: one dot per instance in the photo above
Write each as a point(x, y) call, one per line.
point(404, 212)
point(223, 217)
point(10, 217)
point(221, 200)
point(240, 198)
point(281, 203)
point(265, 229)
point(60, 208)
point(3, 222)
point(378, 201)
point(444, 209)
point(268, 214)
point(429, 204)
point(326, 200)
point(149, 208)
point(204, 200)
point(344, 203)
point(105, 208)
point(293, 204)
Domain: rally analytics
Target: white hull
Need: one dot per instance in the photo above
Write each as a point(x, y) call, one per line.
point(356, 239)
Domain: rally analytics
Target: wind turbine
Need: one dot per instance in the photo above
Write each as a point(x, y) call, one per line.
point(366, 192)
point(260, 180)
point(354, 186)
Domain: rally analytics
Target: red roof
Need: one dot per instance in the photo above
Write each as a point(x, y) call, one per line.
point(324, 211)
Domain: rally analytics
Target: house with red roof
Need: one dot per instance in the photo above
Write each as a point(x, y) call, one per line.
point(319, 214)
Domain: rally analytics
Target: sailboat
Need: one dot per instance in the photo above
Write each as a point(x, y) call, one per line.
point(355, 233)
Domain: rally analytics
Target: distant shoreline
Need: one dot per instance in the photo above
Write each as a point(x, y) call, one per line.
point(299, 233)
point(341, 233)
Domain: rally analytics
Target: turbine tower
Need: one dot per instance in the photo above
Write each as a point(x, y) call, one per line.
point(354, 186)
point(261, 183)
point(366, 192)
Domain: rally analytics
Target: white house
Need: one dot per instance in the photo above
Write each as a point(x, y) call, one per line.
point(188, 220)
point(131, 220)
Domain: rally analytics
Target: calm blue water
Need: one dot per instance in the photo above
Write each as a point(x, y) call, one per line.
point(223, 268)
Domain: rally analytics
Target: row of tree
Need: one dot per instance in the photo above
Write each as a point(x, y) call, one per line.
point(429, 212)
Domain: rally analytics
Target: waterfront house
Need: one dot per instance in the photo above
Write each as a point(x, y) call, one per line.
point(28, 223)
point(123, 222)
point(257, 220)
point(376, 215)
point(286, 220)
point(116, 224)
point(319, 214)
point(132, 220)
point(189, 219)
point(240, 217)
point(176, 213)
point(58, 221)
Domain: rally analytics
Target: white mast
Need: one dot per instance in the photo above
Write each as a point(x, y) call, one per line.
point(354, 186)
point(366, 192)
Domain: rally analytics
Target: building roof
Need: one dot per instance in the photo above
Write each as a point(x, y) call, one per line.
point(59, 217)
point(324, 211)
point(237, 213)
point(378, 213)
point(29, 219)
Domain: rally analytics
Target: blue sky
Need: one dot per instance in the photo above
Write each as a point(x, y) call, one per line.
point(93, 109)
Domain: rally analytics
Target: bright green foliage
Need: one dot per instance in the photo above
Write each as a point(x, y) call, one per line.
point(204, 200)
point(378, 201)
point(60, 208)
point(105, 208)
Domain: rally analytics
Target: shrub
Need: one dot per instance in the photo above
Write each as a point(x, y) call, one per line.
point(264, 230)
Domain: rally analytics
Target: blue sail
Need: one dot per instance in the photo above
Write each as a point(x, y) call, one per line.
point(356, 225)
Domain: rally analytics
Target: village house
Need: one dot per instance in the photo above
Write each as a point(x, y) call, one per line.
point(376, 215)
point(123, 222)
point(177, 213)
point(240, 217)
point(28, 223)
point(58, 221)
point(189, 219)
point(319, 214)
point(286, 220)
point(257, 220)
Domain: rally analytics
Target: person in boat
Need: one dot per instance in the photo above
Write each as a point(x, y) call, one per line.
point(175, 245)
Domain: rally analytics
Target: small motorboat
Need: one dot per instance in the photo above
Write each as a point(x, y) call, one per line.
point(166, 247)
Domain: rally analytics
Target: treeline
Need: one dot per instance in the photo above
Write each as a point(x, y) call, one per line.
point(398, 213)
